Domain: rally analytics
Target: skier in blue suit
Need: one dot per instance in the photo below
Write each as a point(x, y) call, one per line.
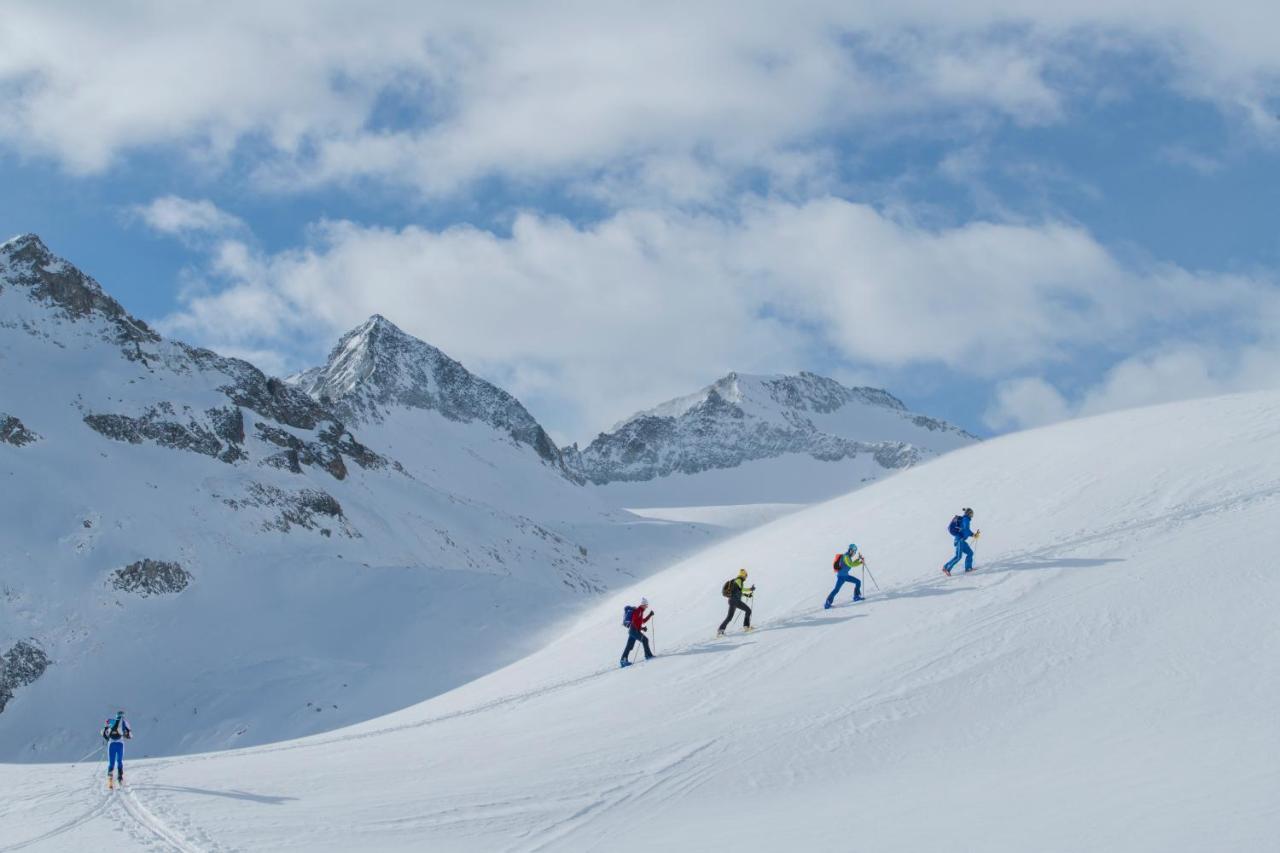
point(844, 565)
point(959, 530)
point(115, 733)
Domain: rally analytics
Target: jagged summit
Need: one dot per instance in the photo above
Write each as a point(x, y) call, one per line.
point(377, 367)
point(746, 417)
point(22, 240)
point(802, 392)
point(27, 263)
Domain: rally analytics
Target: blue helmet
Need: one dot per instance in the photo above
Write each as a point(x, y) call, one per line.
point(853, 549)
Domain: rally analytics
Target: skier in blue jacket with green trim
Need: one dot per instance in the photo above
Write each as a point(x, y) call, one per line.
point(959, 530)
point(843, 566)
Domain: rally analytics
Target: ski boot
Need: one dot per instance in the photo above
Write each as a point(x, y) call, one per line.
point(857, 598)
point(720, 632)
point(946, 571)
point(826, 605)
point(624, 663)
point(747, 629)
point(111, 784)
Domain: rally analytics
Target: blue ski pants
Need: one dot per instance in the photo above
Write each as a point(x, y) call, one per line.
point(115, 756)
point(843, 577)
point(962, 550)
point(635, 635)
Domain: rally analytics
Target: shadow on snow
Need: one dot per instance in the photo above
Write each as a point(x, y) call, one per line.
point(232, 795)
point(1030, 564)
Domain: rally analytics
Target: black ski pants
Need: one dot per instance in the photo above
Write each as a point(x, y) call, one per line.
point(636, 636)
point(736, 604)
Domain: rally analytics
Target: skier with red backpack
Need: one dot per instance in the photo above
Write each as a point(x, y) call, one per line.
point(843, 566)
point(636, 621)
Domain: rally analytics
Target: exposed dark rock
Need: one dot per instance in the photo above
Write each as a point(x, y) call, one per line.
point(152, 426)
point(53, 280)
point(297, 452)
point(338, 439)
point(151, 577)
point(21, 665)
point(13, 431)
point(228, 423)
point(310, 509)
point(327, 451)
point(270, 397)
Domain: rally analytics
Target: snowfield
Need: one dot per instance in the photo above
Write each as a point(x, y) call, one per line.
point(1107, 680)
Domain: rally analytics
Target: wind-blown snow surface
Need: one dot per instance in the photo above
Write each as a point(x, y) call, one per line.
point(1106, 681)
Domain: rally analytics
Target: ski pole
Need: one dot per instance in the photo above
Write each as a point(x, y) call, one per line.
point(866, 568)
point(87, 757)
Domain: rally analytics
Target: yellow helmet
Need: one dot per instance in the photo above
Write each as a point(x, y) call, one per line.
point(742, 573)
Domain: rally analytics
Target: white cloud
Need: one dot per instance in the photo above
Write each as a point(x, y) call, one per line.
point(183, 217)
point(603, 319)
point(1181, 372)
point(439, 95)
point(1164, 374)
point(1026, 402)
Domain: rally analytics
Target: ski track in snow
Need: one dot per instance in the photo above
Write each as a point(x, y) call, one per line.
point(125, 810)
point(144, 818)
point(100, 807)
point(636, 787)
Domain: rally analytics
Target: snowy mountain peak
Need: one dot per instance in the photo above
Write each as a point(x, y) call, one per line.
point(372, 354)
point(803, 392)
point(27, 264)
point(746, 417)
point(377, 367)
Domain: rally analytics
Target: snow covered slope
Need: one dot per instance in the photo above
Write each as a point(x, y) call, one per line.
point(1107, 680)
point(760, 439)
point(184, 534)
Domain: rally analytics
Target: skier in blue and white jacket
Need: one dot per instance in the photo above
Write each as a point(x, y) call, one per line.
point(115, 733)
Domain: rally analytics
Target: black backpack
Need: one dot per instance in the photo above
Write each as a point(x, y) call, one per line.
point(727, 589)
point(954, 527)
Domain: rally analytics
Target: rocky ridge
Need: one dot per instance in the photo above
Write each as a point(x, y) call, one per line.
point(742, 418)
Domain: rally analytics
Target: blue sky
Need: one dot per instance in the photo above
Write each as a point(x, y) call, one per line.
point(1005, 215)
